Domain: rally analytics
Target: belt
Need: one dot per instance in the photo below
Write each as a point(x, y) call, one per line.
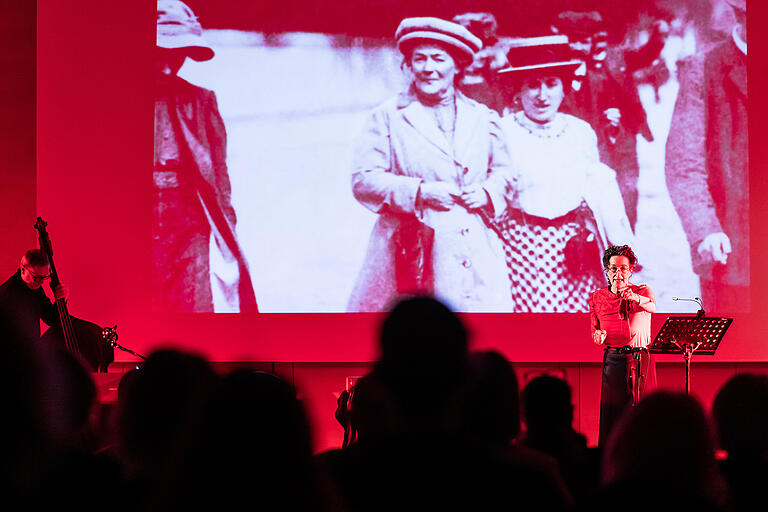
point(626, 349)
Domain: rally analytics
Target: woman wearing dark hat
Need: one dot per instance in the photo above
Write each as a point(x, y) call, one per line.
point(432, 163)
point(567, 206)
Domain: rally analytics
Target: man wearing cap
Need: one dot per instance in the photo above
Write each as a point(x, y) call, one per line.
point(433, 165)
point(606, 95)
point(479, 81)
point(707, 167)
point(191, 183)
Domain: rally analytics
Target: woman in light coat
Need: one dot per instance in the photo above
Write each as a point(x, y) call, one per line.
point(433, 164)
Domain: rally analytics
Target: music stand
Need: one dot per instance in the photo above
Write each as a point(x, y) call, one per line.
point(688, 334)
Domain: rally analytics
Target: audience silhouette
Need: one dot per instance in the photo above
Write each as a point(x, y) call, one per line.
point(740, 411)
point(253, 446)
point(160, 412)
point(435, 426)
point(548, 412)
point(661, 453)
point(446, 423)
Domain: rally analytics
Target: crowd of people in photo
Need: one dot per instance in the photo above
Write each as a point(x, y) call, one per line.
point(524, 152)
point(435, 426)
point(506, 165)
point(461, 191)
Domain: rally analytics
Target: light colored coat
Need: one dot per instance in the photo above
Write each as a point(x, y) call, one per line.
point(401, 147)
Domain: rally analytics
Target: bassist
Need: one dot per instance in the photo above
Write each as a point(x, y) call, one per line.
point(23, 302)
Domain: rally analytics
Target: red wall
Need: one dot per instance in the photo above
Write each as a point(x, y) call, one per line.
point(17, 132)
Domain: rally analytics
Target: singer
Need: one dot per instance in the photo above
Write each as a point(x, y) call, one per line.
point(620, 320)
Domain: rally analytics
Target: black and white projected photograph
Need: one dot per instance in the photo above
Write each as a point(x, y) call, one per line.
point(320, 158)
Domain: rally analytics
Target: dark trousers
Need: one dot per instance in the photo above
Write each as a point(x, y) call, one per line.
point(617, 389)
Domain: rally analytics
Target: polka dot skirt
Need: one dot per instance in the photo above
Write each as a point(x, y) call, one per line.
point(535, 256)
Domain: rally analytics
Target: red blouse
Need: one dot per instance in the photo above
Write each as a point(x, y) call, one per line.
point(625, 322)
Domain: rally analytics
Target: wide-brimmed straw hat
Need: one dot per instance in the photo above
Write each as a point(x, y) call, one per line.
point(540, 55)
point(178, 28)
point(460, 41)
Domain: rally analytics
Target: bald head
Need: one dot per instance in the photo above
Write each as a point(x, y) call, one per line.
point(35, 268)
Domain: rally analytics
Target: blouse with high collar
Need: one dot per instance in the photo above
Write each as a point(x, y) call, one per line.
point(442, 110)
point(554, 162)
point(553, 128)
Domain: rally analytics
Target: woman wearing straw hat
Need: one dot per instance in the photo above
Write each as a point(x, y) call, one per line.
point(567, 206)
point(433, 164)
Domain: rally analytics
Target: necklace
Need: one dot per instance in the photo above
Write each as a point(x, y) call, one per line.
point(549, 130)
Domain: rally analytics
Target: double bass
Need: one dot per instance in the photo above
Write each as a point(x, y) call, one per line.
point(82, 338)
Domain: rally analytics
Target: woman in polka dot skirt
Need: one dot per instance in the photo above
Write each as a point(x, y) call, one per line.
point(567, 206)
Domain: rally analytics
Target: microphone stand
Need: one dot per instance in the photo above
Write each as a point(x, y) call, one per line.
point(110, 336)
point(689, 348)
point(700, 313)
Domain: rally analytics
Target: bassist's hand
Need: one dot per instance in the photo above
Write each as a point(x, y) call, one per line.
point(61, 292)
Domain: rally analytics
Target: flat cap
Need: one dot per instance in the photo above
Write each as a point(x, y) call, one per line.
point(575, 22)
point(436, 30)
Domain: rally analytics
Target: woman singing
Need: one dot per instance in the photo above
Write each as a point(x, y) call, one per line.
point(620, 317)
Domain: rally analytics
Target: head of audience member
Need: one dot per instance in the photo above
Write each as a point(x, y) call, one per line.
point(125, 384)
point(161, 410)
point(69, 399)
point(666, 436)
point(740, 411)
point(491, 411)
point(436, 52)
point(179, 35)
point(23, 434)
point(254, 441)
point(255, 412)
point(372, 411)
point(35, 268)
point(547, 406)
point(539, 74)
point(423, 361)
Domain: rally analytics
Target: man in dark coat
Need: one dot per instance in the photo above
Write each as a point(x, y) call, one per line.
point(707, 167)
point(192, 193)
point(23, 302)
point(605, 95)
